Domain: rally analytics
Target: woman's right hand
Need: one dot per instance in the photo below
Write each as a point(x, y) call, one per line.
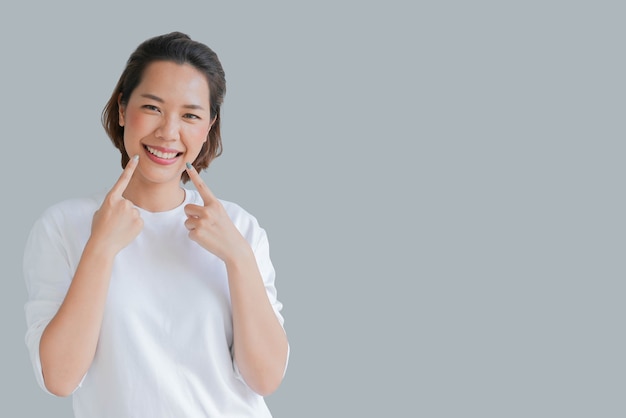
point(68, 343)
point(117, 222)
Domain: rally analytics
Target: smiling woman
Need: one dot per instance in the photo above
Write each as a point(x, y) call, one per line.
point(154, 299)
point(166, 121)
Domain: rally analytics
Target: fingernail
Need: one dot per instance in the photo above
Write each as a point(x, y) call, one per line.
point(189, 166)
point(136, 157)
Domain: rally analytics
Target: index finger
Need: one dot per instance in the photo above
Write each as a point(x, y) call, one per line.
point(121, 184)
point(206, 193)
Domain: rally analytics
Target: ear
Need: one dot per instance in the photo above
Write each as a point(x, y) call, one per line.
point(121, 110)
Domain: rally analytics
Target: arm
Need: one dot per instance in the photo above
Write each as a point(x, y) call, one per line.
point(259, 342)
point(68, 343)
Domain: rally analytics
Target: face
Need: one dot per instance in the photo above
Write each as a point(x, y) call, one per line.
point(166, 121)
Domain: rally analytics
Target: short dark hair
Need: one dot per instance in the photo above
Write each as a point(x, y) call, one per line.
point(179, 48)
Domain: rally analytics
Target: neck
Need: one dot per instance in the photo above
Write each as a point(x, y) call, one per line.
point(155, 197)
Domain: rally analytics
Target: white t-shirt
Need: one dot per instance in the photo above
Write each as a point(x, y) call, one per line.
point(165, 346)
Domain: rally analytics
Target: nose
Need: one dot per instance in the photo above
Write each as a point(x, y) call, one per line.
point(168, 128)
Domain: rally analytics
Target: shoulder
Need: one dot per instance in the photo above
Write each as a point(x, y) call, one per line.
point(71, 211)
point(235, 211)
point(73, 207)
point(63, 225)
point(247, 223)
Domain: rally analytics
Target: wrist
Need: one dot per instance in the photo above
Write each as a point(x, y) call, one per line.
point(95, 246)
point(239, 259)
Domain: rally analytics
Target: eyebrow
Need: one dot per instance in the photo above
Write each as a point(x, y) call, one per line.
point(158, 99)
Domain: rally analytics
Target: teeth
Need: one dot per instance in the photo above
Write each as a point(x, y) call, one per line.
point(164, 155)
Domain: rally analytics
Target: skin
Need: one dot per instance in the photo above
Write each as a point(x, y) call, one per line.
point(169, 109)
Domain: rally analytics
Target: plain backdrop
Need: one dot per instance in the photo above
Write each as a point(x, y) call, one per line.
point(441, 182)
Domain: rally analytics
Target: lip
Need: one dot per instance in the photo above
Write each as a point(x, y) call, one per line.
point(159, 160)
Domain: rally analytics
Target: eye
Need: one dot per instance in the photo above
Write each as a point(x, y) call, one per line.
point(151, 107)
point(191, 116)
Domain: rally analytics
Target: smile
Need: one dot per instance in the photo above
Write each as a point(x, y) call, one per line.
point(161, 154)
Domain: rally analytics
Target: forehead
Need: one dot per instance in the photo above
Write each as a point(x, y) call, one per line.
point(174, 82)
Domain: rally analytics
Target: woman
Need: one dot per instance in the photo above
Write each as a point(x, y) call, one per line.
point(155, 300)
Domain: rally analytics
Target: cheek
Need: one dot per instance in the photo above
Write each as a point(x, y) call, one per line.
point(136, 126)
point(197, 136)
point(136, 121)
point(133, 128)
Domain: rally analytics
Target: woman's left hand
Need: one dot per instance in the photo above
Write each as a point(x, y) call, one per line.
point(210, 226)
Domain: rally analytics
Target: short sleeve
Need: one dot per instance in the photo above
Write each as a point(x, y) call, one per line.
point(47, 274)
point(266, 268)
point(262, 254)
point(260, 246)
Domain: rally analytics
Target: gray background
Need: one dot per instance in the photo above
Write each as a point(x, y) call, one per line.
point(441, 183)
